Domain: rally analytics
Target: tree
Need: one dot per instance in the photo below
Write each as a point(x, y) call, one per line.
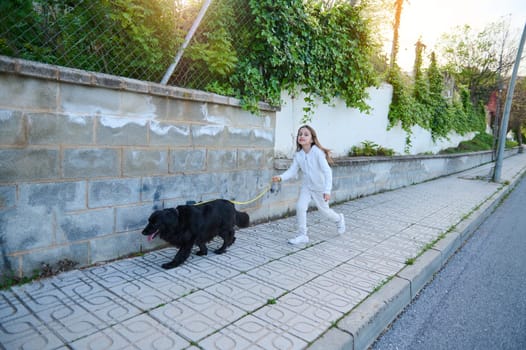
point(440, 123)
point(420, 88)
point(396, 27)
point(475, 59)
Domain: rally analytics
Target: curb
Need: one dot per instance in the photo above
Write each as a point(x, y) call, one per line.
point(364, 324)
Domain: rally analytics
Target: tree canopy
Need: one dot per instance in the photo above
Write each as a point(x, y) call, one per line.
point(477, 59)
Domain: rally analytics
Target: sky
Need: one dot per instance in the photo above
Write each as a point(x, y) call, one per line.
point(429, 19)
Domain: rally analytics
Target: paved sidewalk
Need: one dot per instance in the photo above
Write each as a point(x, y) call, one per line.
point(338, 292)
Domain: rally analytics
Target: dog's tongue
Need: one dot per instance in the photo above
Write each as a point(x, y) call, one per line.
point(153, 235)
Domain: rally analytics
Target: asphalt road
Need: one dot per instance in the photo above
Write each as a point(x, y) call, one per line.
point(478, 300)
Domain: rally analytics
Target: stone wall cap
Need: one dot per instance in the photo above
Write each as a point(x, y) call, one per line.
point(284, 163)
point(77, 76)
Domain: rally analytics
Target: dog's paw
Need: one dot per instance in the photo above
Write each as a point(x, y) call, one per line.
point(219, 251)
point(202, 253)
point(168, 266)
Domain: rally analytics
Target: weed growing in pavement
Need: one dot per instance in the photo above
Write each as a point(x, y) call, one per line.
point(159, 306)
point(10, 280)
point(46, 270)
point(383, 283)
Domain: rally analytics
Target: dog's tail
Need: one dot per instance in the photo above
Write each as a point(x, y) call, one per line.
point(242, 219)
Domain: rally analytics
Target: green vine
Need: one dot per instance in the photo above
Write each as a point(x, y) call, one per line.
point(403, 108)
point(301, 46)
point(427, 107)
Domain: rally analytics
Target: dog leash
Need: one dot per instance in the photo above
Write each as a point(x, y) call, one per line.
point(274, 187)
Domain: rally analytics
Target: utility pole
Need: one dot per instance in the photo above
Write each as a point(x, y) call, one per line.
point(499, 99)
point(507, 108)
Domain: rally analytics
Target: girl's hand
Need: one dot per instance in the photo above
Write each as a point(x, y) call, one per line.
point(326, 197)
point(276, 178)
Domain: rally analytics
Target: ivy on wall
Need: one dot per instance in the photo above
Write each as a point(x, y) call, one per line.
point(423, 103)
point(298, 45)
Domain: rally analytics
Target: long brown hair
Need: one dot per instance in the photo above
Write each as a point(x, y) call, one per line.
point(315, 141)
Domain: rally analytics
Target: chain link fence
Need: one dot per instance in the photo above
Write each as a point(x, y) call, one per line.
point(130, 38)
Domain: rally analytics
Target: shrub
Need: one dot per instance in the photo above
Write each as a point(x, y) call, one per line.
point(481, 142)
point(369, 149)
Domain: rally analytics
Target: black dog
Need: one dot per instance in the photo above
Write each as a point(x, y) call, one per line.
point(196, 224)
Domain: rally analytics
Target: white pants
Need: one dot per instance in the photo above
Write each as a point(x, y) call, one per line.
point(303, 204)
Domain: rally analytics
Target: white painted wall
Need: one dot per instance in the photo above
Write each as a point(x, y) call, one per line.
point(339, 128)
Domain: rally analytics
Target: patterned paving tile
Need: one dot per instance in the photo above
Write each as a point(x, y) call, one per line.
point(40, 296)
point(190, 275)
point(389, 253)
point(303, 261)
point(211, 306)
point(356, 277)
point(362, 241)
point(77, 288)
point(141, 332)
point(146, 333)
point(304, 318)
point(68, 278)
point(266, 234)
point(227, 339)
point(282, 275)
point(211, 267)
point(275, 251)
point(27, 332)
point(107, 275)
point(315, 310)
point(292, 323)
point(141, 295)
point(10, 307)
point(169, 285)
point(158, 257)
point(251, 332)
point(241, 259)
point(246, 292)
point(411, 246)
point(374, 263)
point(317, 257)
point(338, 253)
point(314, 292)
point(106, 339)
point(108, 306)
point(197, 315)
point(322, 252)
point(263, 289)
point(72, 322)
point(419, 233)
point(136, 268)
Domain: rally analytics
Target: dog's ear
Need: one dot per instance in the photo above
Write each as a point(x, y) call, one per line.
point(172, 216)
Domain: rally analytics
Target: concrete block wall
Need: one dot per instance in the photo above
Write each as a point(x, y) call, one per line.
point(86, 157)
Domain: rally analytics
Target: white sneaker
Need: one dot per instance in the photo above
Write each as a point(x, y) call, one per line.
point(299, 239)
point(341, 225)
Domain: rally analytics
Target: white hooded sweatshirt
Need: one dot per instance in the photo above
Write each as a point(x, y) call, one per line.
point(317, 174)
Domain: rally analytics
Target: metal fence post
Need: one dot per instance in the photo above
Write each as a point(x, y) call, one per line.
point(187, 39)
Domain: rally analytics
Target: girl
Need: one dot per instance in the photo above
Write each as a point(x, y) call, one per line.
point(313, 160)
